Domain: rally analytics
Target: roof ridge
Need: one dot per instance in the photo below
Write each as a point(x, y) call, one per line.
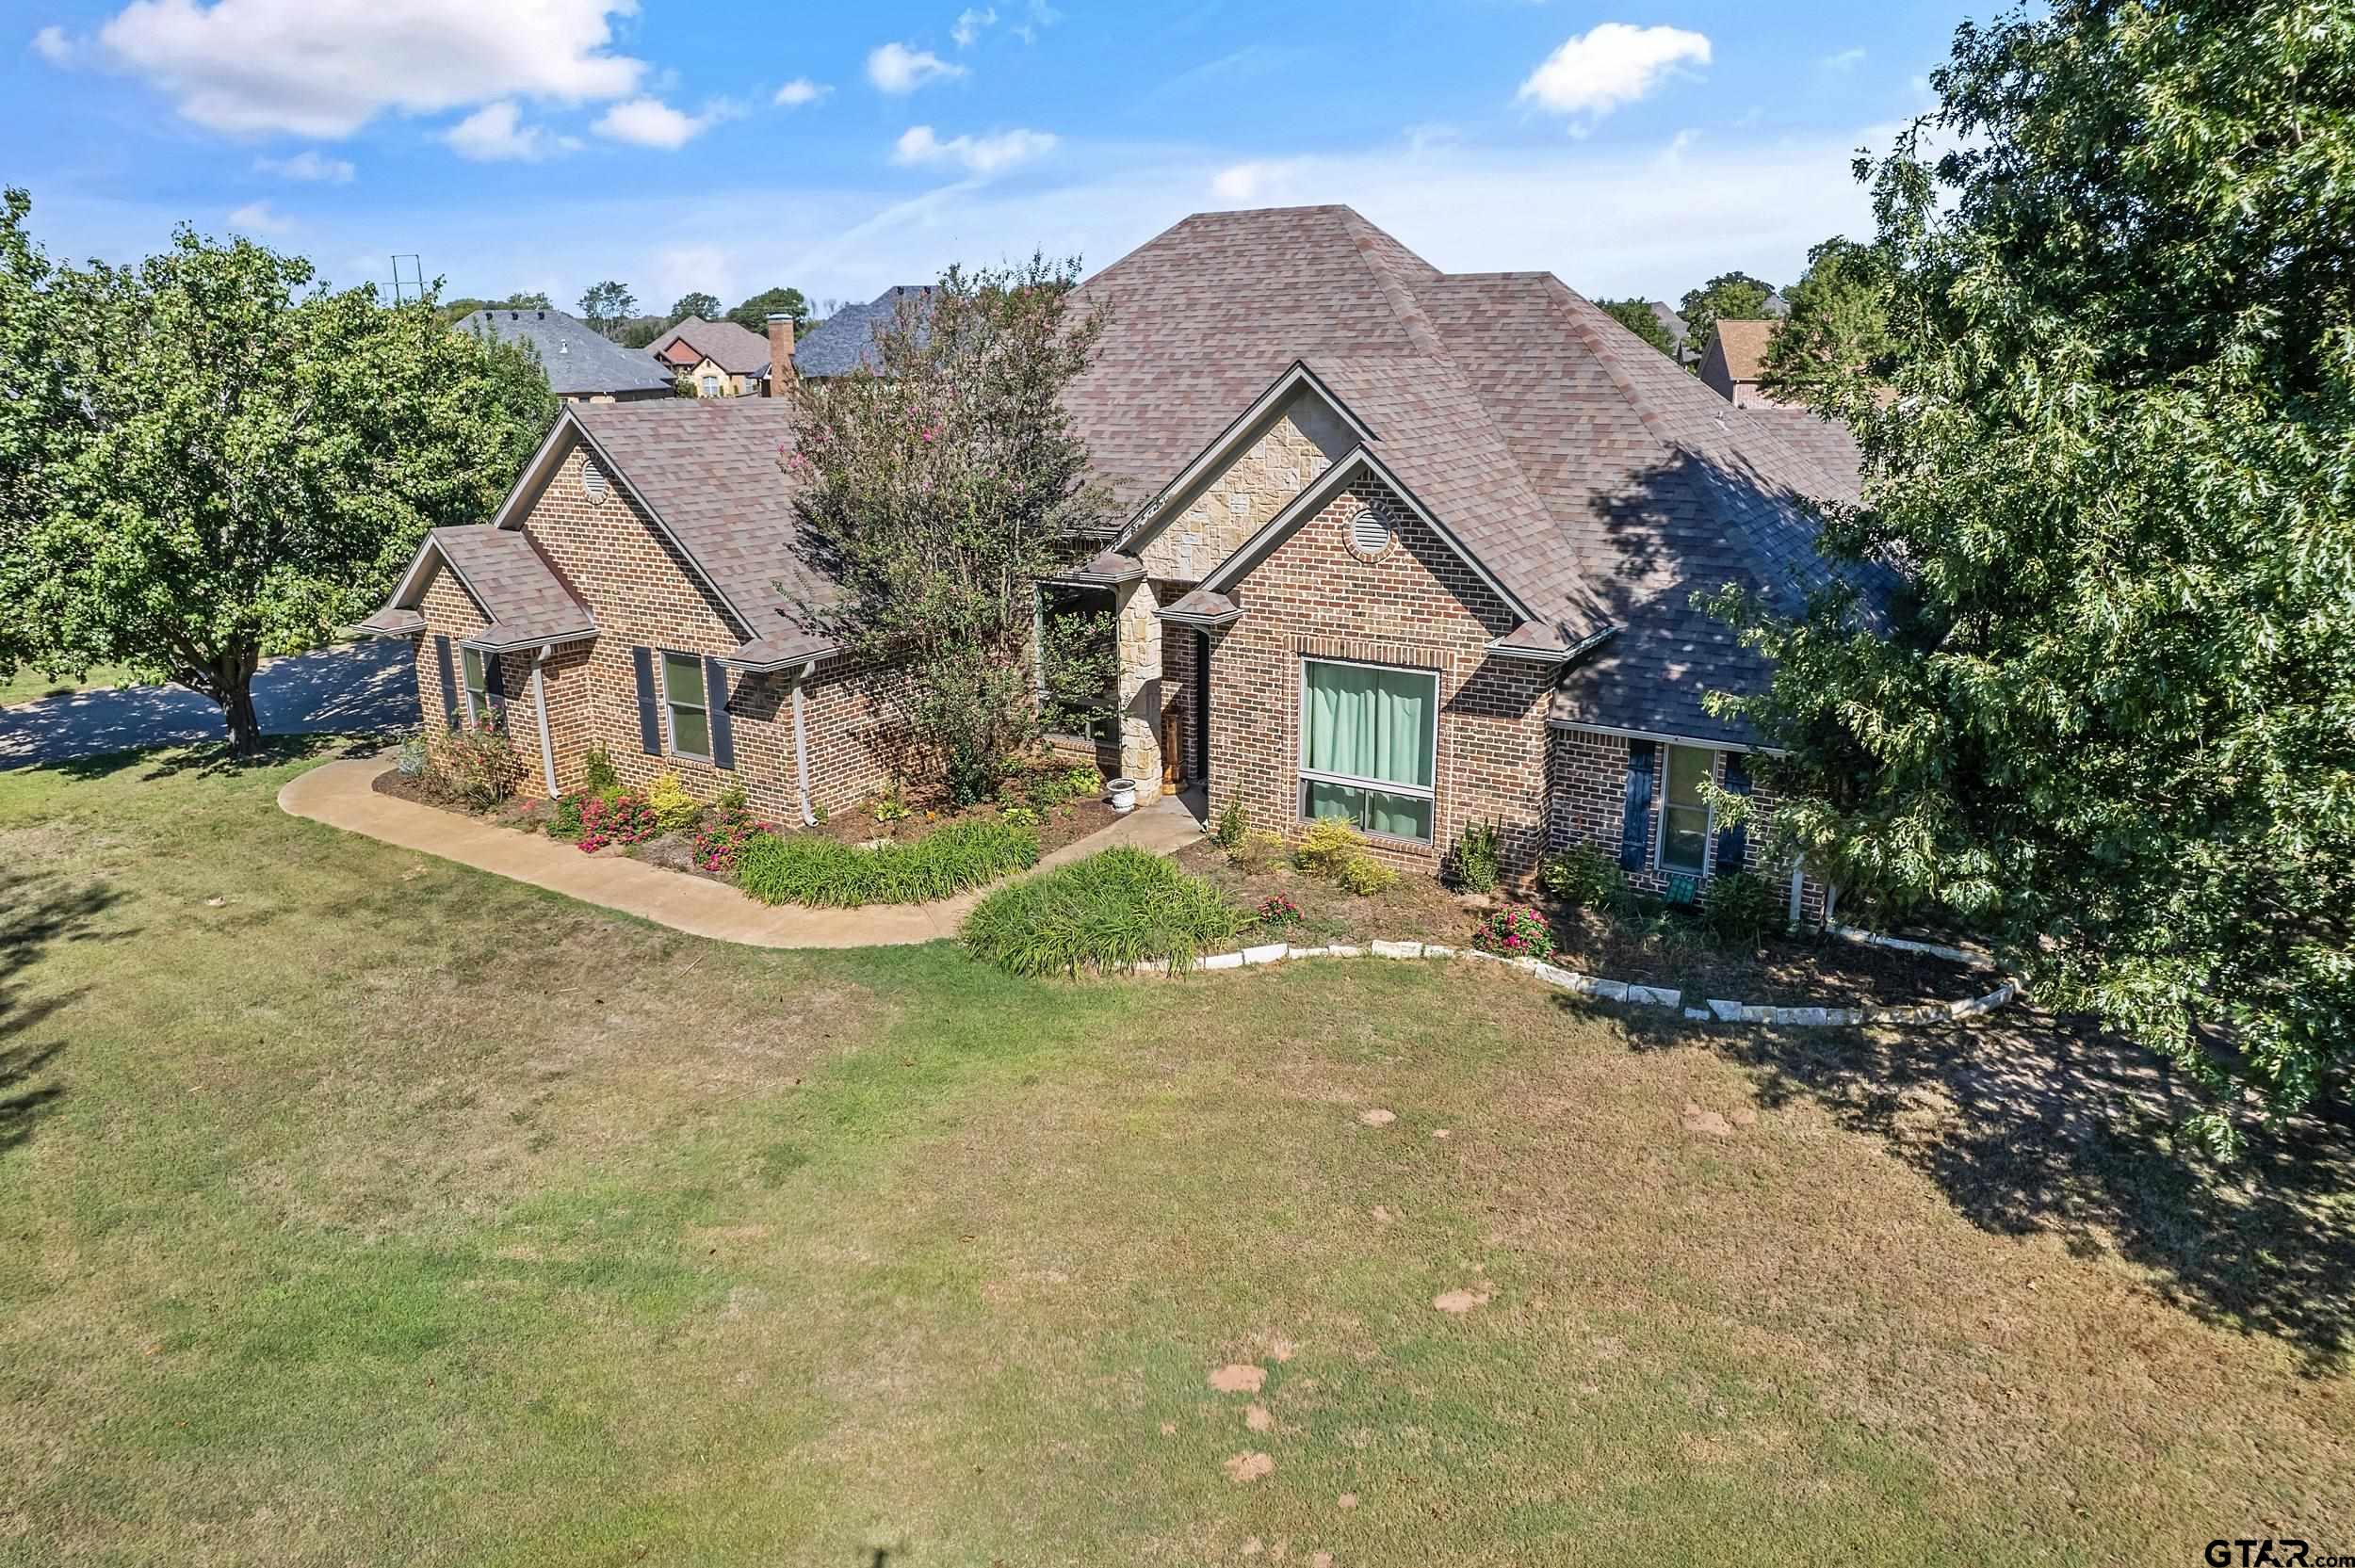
point(1365, 239)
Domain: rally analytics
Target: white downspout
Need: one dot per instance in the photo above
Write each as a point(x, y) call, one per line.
point(540, 708)
point(800, 744)
point(1798, 877)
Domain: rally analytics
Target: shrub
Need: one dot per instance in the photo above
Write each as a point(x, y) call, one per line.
point(564, 821)
point(732, 798)
point(1583, 877)
point(477, 765)
point(1021, 817)
point(1279, 911)
point(1740, 907)
point(1257, 849)
point(413, 757)
point(622, 817)
point(1518, 932)
point(1478, 859)
point(598, 775)
point(1364, 875)
point(890, 807)
point(1228, 836)
point(810, 869)
point(673, 806)
point(1328, 842)
point(721, 840)
point(1109, 911)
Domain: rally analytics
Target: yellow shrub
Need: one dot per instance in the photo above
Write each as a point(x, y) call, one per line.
point(1328, 845)
point(673, 808)
point(1362, 874)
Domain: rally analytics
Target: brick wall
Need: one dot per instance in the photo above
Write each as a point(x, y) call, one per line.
point(1414, 604)
point(1587, 787)
point(643, 594)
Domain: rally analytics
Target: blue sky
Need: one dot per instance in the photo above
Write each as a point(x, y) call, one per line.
point(730, 145)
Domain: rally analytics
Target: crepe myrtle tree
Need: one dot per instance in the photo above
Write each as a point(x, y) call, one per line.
point(939, 488)
point(2111, 450)
point(205, 458)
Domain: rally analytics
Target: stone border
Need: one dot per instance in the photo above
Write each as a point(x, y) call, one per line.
point(1717, 1011)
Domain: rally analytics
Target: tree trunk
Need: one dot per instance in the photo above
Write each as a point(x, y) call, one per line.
point(232, 688)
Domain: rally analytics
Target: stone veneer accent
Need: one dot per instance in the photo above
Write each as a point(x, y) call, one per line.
point(1418, 606)
point(643, 593)
point(1196, 529)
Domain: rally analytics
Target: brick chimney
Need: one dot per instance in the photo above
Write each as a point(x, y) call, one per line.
point(780, 353)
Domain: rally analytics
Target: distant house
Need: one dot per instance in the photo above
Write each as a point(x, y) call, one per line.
point(1736, 361)
point(583, 366)
point(846, 340)
point(719, 359)
point(1672, 324)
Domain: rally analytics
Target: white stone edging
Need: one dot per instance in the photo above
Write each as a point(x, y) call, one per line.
point(1642, 995)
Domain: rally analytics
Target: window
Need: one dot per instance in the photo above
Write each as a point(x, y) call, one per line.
point(683, 694)
point(477, 689)
point(1683, 814)
point(1369, 745)
point(711, 386)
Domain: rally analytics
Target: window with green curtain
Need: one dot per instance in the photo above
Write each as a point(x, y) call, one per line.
point(683, 692)
point(1364, 726)
point(1683, 814)
point(477, 688)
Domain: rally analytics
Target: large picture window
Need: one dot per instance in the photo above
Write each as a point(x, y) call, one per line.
point(1683, 813)
point(690, 717)
point(1369, 745)
point(477, 688)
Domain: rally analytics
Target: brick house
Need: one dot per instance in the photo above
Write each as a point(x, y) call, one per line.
point(1411, 547)
point(1736, 365)
point(717, 358)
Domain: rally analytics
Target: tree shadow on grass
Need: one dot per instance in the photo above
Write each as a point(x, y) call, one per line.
point(2032, 1124)
point(35, 914)
point(214, 759)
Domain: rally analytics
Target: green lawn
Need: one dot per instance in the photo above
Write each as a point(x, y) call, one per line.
point(360, 1208)
point(29, 685)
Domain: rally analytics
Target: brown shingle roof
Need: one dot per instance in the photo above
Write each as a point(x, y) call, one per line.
point(735, 349)
point(1745, 344)
point(521, 595)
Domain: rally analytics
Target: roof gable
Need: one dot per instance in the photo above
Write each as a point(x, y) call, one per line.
point(736, 350)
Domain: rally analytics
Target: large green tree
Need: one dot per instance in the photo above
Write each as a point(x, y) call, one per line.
point(752, 314)
point(939, 489)
point(204, 457)
point(1839, 324)
point(696, 303)
point(1636, 315)
point(2116, 463)
point(1727, 296)
point(605, 306)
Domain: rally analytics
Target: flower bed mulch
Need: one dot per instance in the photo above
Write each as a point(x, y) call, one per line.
point(1057, 826)
point(1803, 969)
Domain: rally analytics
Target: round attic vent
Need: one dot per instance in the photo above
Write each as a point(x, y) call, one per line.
point(1370, 531)
point(591, 479)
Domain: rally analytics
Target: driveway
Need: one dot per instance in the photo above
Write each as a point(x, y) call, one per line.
point(370, 685)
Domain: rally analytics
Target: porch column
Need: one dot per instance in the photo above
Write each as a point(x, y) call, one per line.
point(1139, 642)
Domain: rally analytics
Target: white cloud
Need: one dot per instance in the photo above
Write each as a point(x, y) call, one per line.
point(310, 166)
point(1036, 16)
point(325, 68)
point(652, 123)
point(895, 68)
point(52, 44)
point(256, 218)
point(495, 132)
point(801, 90)
point(1610, 64)
point(918, 147)
point(1240, 185)
point(970, 24)
point(1847, 59)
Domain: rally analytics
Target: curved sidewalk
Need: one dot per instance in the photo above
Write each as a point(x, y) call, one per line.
point(343, 794)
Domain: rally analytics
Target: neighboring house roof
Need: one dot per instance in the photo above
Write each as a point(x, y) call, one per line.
point(1776, 305)
point(1745, 347)
point(732, 348)
point(579, 359)
point(1670, 322)
point(1602, 483)
point(846, 340)
point(525, 603)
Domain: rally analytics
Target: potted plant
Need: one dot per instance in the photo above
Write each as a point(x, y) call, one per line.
point(1124, 793)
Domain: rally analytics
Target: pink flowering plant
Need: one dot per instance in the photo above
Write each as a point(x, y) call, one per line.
point(722, 837)
point(1516, 931)
point(624, 818)
point(1279, 911)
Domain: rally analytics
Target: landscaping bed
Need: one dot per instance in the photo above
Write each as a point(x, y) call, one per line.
point(1665, 947)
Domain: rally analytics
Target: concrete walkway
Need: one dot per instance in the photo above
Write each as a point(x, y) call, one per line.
point(343, 794)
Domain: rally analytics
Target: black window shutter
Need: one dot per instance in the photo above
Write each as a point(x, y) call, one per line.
point(449, 679)
point(649, 722)
point(1733, 841)
point(1635, 828)
point(716, 695)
